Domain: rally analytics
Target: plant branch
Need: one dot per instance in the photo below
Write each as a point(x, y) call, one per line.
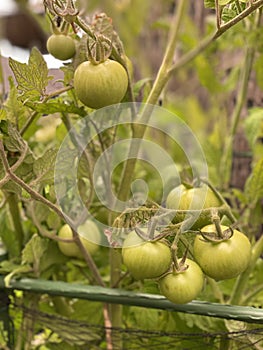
point(45, 99)
point(226, 160)
point(159, 83)
point(189, 56)
point(75, 140)
point(12, 201)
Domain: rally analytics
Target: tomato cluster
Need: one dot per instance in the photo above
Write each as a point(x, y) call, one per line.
point(222, 259)
point(219, 252)
point(97, 84)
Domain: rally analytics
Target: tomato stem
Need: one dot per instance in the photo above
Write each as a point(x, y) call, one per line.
point(12, 201)
point(218, 227)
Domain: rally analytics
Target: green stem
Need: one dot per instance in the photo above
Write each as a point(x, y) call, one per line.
point(226, 160)
point(189, 56)
point(242, 281)
point(12, 201)
point(115, 263)
point(138, 133)
point(160, 82)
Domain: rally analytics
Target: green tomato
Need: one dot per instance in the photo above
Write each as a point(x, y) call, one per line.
point(61, 46)
point(182, 287)
point(145, 259)
point(100, 85)
point(196, 198)
point(224, 259)
point(89, 236)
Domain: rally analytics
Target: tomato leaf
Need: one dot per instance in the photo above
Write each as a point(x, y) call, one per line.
point(33, 251)
point(102, 25)
point(13, 140)
point(254, 183)
point(15, 111)
point(51, 256)
point(56, 106)
point(43, 167)
point(32, 78)
point(209, 4)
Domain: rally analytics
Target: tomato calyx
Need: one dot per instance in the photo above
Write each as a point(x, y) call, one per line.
point(99, 49)
point(218, 235)
point(179, 266)
point(150, 233)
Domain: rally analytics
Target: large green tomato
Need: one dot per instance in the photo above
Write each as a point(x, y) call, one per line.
point(89, 236)
point(61, 46)
point(182, 287)
point(196, 198)
point(100, 85)
point(225, 259)
point(145, 259)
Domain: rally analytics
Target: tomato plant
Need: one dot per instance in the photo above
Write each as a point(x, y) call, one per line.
point(61, 46)
point(195, 198)
point(209, 88)
point(89, 236)
point(145, 259)
point(222, 259)
point(183, 286)
point(100, 85)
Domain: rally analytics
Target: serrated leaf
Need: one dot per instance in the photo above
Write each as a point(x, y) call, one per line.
point(43, 167)
point(33, 251)
point(209, 4)
point(32, 78)
point(56, 106)
point(102, 25)
point(254, 126)
point(14, 143)
point(254, 184)
point(13, 140)
point(16, 112)
point(228, 14)
point(51, 256)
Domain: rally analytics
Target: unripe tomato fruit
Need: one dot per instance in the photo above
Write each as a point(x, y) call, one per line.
point(196, 198)
point(61, 46)
point(225, 259)
point(89, 229)
point(182, 287)
point(145, 259)
point(100, 85)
